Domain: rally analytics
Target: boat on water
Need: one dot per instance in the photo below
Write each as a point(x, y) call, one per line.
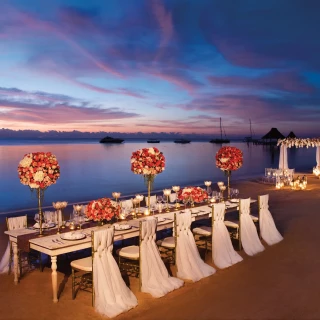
point(111, 140)
point(250, 139)
point(153, 141)
point(182, 141)
point(220, 140)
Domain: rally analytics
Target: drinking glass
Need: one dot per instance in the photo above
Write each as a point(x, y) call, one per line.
point(81, 220)
point(36, 217)
point(236, 192)
point(159, 199)
point(185, 201)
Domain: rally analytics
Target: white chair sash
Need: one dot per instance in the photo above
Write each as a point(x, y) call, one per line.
point(153, 200)
point(268, 230)
point(173, 197)
point(223, 253)
point(189, 263)
point(155, 278)
point(248, 232)
point(112, 296)
point(13, 224)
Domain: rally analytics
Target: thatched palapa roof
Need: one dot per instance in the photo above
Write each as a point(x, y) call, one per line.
point(274, 133)
point(291, 135)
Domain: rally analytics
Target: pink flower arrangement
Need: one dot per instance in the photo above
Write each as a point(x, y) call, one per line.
point(102, 209)
point(229, 158)
point(39, 170)
point(196, 193)
point(147, 161)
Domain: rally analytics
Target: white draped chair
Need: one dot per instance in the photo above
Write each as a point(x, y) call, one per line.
point(223, 253)
point(283, 158)
point(153, 200)
point(110, 295)
point(13, 223)
point(248, 233)
point(153, 275)
point(190, 266)
point(268, 230)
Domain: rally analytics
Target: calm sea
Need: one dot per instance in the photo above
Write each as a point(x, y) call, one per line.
point(90, 170)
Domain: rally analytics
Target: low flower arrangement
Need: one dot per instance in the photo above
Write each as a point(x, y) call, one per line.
point(39, 170)
point(229, 158)
point(103, 209)
point(196, 193)
point(147, 161)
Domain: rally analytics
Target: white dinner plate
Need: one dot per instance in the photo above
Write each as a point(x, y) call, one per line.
point(161, 219)
point(72, 236)
point(44, 225)
point(234, 200)
point(119, 227)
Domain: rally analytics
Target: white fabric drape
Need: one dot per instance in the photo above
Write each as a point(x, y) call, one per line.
point(112, 296)
point(318, 156)
point(127, 204)
point(223, 253)
point(173, 197)
point(268, 230)
point(155, 278)
point(248, 232)
point(13, 224)
point(189, 263)
point(153, 200)
point(283, 159)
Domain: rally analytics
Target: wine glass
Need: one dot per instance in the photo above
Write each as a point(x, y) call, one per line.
point(153, 208)
point(236, 192)
point(81, 220)
point(185, 201)
point(159, 199)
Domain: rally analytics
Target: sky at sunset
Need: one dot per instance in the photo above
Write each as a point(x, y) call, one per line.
point(160, 65)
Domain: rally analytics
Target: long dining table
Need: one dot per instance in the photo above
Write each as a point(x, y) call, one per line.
point(53, 245)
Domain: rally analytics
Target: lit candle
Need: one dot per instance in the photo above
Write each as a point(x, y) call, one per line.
point(146, 212)
point(213, 200)
point(175, 188)
point(207, 183)
point(220, 184)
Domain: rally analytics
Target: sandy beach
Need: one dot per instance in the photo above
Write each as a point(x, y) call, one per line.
point(280, 283)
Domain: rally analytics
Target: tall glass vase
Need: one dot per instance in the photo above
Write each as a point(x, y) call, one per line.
point(40, 195)
point(228, 174)
point(148, 179)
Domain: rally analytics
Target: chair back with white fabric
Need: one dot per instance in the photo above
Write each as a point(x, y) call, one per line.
point(283, 158)
point(248, 232)
point(189, 263)
point(154, 276)
point(13, 223)
point(173, 197)
point(111, 295)
point(223, 253)
point(268, 230)
point(153, 200)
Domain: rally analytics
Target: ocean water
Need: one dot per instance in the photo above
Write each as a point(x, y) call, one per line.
point(90, 170)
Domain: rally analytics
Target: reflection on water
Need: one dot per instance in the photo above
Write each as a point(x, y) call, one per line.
point(91, 170)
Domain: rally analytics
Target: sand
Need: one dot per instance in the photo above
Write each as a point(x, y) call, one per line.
point(280, 283)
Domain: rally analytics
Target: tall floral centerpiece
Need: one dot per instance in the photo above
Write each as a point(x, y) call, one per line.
point(194, 194)
point(229, 159)
point(148, 162)
point(103, 209)
point(39, 170)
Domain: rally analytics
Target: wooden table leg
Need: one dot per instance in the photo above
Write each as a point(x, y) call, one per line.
point(15, 262)
point(54, 278)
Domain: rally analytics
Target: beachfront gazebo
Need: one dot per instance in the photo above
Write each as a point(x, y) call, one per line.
point(273, 136)
point(291, 135)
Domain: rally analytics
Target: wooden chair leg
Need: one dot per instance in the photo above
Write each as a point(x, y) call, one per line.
point(73, 285)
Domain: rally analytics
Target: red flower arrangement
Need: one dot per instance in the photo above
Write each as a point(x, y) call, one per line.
point(39, 170)
point(229, 158)
point(147, 161)
point(196, 193)
point(102, 209)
